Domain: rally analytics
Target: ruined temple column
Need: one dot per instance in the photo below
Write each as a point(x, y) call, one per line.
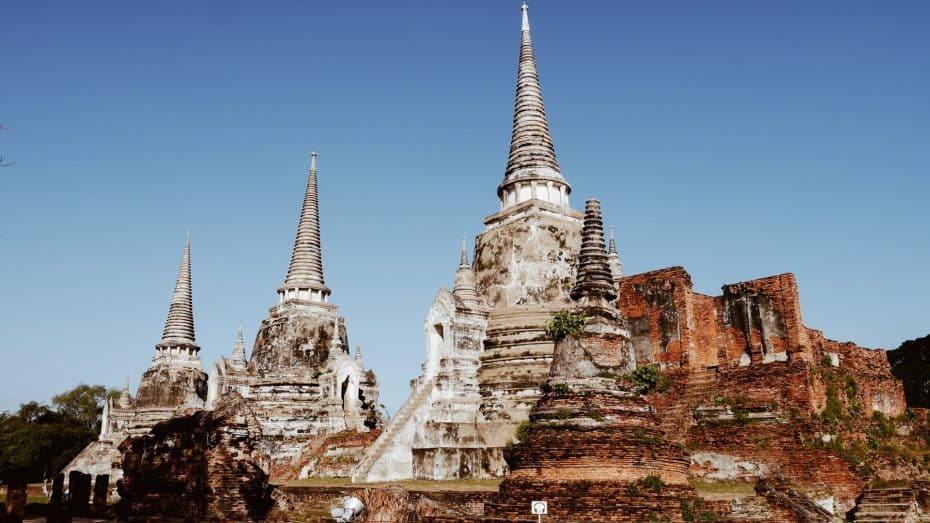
point(15, 501)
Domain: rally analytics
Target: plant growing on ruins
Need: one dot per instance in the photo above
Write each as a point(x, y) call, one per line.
point(561, 389)
point(696, 511)
point(633, 490)
point(882, 427)
point(522, 432)
point(649, 439)
point(832, 412)
point(653, 482)
point(646, 377)
point(851, 387)
point(565, 323)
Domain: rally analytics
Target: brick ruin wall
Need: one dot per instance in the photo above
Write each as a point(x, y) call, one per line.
point(204, 463)
point(750, 323)
point(393, 503)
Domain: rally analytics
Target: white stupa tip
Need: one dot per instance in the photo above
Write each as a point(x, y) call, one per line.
point(526, 18)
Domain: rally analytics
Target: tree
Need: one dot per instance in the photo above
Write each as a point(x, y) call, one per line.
point(38, 441)
point(85, 403)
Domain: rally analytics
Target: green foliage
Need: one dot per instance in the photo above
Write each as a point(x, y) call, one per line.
point(909, 416)
point(38, 442)
point(647, 378)
point(851, 387)
point(826, 361)
point(633, 490)
point(857, 455)
point(832, 413)
point(523, 430)
point(653, 482)
point(882, 429)
point(648, 439)
point(85, 403)
point(696, 511)
point(564, 414)
point(565, 323)
point(561, 389)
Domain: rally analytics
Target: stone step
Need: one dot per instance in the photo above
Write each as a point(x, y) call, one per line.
point(895, 505)
point(395, 425)
point(872, 512)
point(887, 498)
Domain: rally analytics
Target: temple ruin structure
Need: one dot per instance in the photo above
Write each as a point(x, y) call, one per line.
point(487, 353)
point(302, 382)
point(173, 382)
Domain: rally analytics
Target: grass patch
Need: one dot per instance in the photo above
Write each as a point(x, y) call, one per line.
point(723, 487)
point(29, 499)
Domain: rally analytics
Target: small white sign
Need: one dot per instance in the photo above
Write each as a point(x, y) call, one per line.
point(539, 507)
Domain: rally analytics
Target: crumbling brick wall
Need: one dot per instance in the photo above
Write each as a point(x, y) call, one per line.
point(658, 307)
point(761, 319)
point(201, 466)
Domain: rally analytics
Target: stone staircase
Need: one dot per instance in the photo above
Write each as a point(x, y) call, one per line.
point(421, 394)
point(699, 388)
point(803, 507)
point(887, 504)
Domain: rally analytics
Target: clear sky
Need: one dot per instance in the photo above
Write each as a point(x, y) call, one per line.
point(738, 139)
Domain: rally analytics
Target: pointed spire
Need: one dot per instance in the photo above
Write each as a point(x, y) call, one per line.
point(465, 288)
point(306, 268)
point(238, 352)
point(358, 352)
point(613, 257)
point(179, 327)
point(532, 155)
point(124, 400)
point(463, 262)
point(593, 282)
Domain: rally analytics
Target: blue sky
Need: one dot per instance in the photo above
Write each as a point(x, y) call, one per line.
point(738, 139)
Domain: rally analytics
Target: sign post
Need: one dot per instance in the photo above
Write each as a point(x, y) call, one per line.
point(539, 508)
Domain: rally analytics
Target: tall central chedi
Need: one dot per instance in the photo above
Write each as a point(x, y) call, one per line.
point(524, 258)
point(487, 352)
point(301, 381)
